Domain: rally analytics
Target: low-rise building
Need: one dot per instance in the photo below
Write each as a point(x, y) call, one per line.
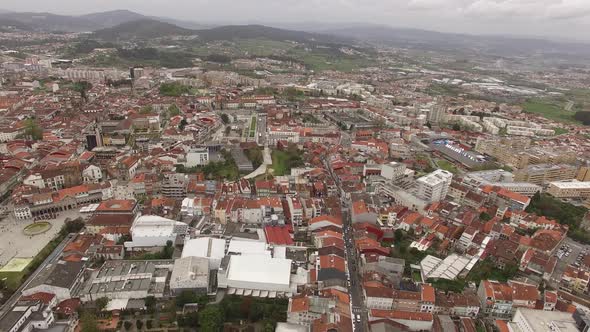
point(256, 275)
point(526, 320)
point(154, 231)
point(61, 278)
point(124, 279)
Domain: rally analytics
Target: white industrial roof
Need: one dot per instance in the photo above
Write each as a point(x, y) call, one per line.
point(260, 270)
point(153, 226)
point(248, 248)
point(280, 252)
point(204, 247)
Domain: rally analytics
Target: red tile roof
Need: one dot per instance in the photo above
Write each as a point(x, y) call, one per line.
point(41, 296)
point(398, 314)
point(117, 205)
point(277, 235)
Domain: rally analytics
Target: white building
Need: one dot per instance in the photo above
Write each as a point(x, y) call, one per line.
point(92, 174)
point(34, 180)
point(295, 210)
point(276, 134)
point(197, 157)
point(205, 247)
point(9, 134)
point(434, 186)
point(27, 316)
point(531, 320)
point(389, 171)
point(570, 189)
point(23, 212)
point(256, 275)
point(154, 231)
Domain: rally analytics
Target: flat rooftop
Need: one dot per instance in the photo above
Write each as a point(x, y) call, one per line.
point(572, 185)
point(547, 321)
point(260, 270)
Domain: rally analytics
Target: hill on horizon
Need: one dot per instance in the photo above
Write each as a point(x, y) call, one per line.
point(141, 29)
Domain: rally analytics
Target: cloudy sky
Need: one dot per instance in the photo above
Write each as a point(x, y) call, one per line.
point(569, 19)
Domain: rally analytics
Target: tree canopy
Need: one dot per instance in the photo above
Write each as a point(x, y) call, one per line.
point(33, 130)
point(583, 117)
point(564, 213)
point(88, 322)
point(82, 87)
point(211, 318)
point(173, 110)
point(174, 89)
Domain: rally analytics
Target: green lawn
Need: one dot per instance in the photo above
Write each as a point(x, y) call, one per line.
point(253, 127)
point(262, 47)
point(550, 110)
point(279, 162)
point(416, 276)
point(319, 61)
point(560, 131)
point(447, 166)
point(37, 227)
point(14, 271)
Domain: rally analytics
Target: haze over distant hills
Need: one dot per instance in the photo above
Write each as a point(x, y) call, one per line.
point(125, 24)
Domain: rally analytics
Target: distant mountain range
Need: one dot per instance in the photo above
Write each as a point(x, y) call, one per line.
point(485, 44)
point(83, 23)
point(150, 29)
point(124, 25)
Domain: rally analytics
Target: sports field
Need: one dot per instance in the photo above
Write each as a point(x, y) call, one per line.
point(12, 273)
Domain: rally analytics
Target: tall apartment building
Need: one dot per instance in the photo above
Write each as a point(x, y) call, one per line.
point(583, 174)
point(295, 210)
point(434, 186)
point(542, 174)
point(174, 185)
point(518, 153)
point(571, 189)
point(197, 157)
point(436, 114)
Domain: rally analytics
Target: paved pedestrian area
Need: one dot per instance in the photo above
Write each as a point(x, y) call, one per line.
point(14, 243)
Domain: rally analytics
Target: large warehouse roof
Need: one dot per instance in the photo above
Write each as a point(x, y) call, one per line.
point(204, 247)
point(260, 270)
point(154, 226)
point(248, 248)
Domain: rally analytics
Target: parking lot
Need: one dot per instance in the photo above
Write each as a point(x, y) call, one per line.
point(569, 253)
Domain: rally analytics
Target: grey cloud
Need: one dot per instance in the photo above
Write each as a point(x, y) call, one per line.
point(569, 9)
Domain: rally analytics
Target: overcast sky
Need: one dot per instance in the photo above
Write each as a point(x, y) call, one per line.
point(568, 19)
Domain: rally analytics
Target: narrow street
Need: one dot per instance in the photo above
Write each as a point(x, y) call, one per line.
point(355, 289)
